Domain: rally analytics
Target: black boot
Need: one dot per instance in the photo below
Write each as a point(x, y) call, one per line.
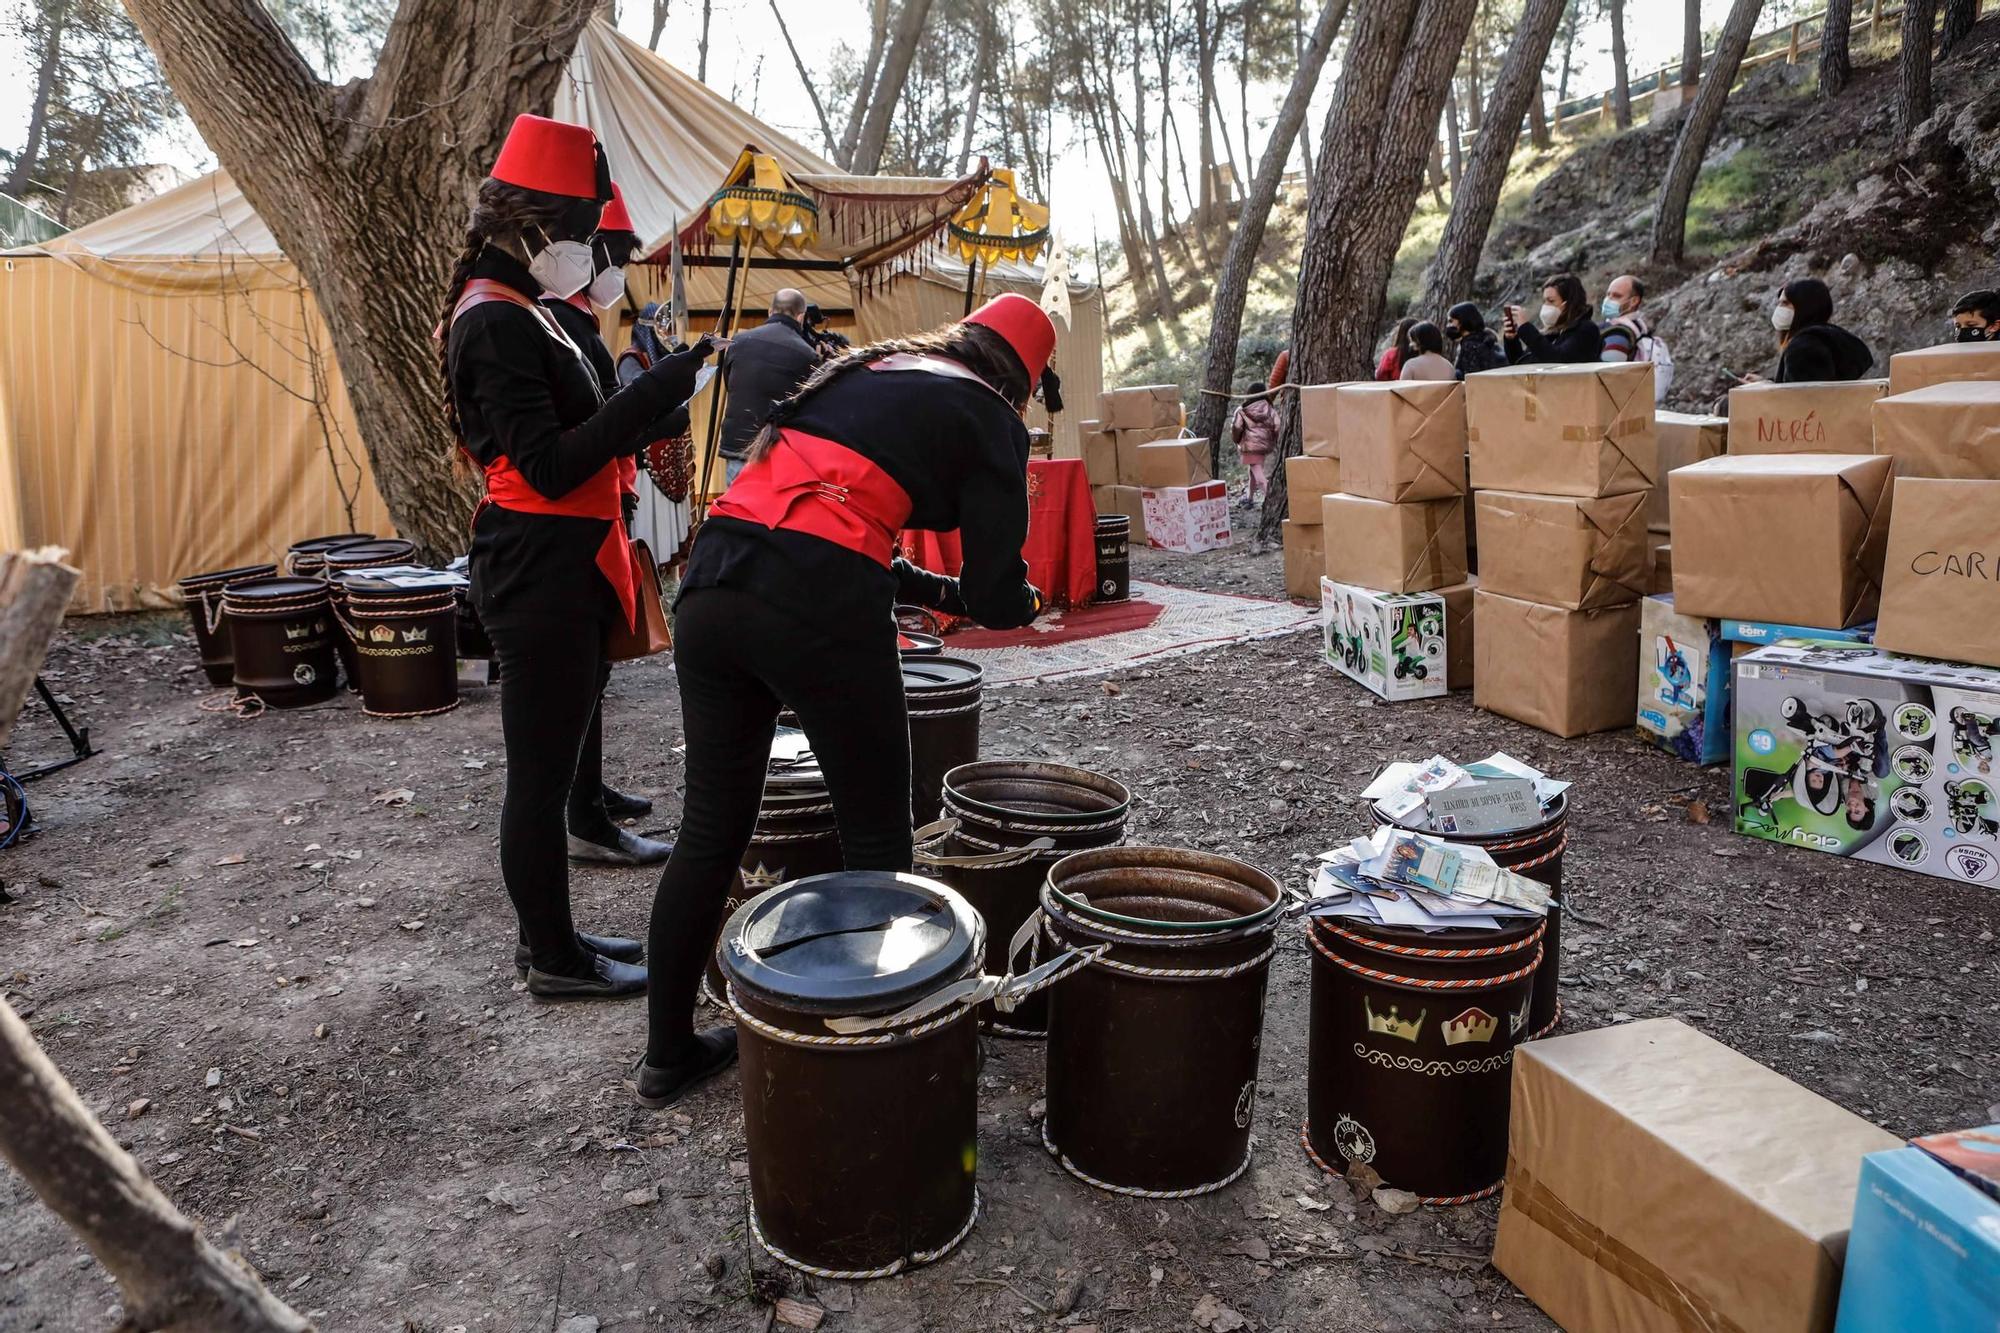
point(622, 805)
point(621, 847)
point(602, 979)
point(613, 947)
point(712, 1052)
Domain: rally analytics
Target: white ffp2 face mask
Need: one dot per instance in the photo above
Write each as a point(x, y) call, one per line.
point(607, 287)
point(1781, 317)
point(1550, 314)
point(562, 267)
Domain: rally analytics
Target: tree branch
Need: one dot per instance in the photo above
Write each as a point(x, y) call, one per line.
point(819, 109)
point(272, 99)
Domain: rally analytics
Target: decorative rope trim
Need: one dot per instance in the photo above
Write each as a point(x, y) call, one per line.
point(1550, 1026)
point(1422, 983)
point(245, 706)
point(1016, 1034)
point(972, 707)
point(1015, 827)
point(1561, 827)
point(1418, 951)
point(1187, 973)
point(765, 839)
point(1269, 924)
point(818, 808)
point(1133, 1191)
point(790, 1038)
point(890, 1269)
point(1544, 858)
point(419, 712)
point(1047, 854)
point(276, 610)
point(1435, 1200)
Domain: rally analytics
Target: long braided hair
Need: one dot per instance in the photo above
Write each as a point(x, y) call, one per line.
point(503, 215)
point(974, 346)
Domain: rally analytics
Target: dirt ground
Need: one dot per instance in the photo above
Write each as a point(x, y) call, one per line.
point(273, 954)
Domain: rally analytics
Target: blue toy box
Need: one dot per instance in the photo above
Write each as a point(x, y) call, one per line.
point(1763, 632)
point(1683, 683)
point(1924, 1253)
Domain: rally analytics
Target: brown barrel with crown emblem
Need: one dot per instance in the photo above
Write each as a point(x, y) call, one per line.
point(942, 694)
point(1153, 1045)
point(281, 630)
point(307, 559)
point(1114, 558)
point(795, 837)
point(405, 637)
point(201, 594)
point(1410, 1051)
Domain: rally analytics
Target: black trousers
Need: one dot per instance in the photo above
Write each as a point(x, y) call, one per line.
point(739, 659)
point(552, 671)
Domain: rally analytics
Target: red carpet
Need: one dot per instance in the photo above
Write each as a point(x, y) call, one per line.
point(1091, 622)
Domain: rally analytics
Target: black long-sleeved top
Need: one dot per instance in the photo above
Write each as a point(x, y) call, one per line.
point(526, 396)
point(1823, 352)
point(1578, 343)
point(762, 366)
point(583, 330)
point(959, 452)
point(1477, 351)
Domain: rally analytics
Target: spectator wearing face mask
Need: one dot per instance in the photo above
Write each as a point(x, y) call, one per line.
point(1562, 334)
point(1976, 317)
point(1478, 349)
point(1629, 336)
point(1811, 346)
point(1391, 364)
point(1430, 362)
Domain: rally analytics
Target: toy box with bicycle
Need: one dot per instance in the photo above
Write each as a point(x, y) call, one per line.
point(1683, 683)
point(1848, 749)
point(1392, 642)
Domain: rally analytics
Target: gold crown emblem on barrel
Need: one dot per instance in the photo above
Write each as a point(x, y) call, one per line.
point(1473, 1025)
point(382, 634)
point(297, 631)
point(419, 634)
point(1406, 1028)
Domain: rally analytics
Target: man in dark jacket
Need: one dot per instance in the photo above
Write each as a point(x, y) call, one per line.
point(761, 368)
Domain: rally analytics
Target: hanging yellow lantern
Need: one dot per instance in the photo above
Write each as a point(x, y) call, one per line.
point(760, 205)
point(997, 223)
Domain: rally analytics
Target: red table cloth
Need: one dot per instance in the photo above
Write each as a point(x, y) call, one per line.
point(1061, 549)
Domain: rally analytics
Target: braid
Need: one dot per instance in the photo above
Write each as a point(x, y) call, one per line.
point(461, 273)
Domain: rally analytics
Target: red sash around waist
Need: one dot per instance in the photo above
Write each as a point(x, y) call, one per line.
point(817, 486)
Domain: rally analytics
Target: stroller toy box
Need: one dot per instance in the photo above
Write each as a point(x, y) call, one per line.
point(1848, 749)
point(1392, 642)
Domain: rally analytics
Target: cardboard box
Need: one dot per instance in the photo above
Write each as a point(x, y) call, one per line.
point(1946, 430)
point(1122, 500)
point(1306, 479)
point(1953, 362)
point(1187, 518)
point(1764, 633)
point(1129, 442)
point(1567, 672)
point(1404, 441)
point(1661, 553)
point(1659, 1182)
point(1941, 579)
point(1683, 439)
point(1683, 683)
point(1305, 558)
point(1848, 749)
point(1564, 550)
point(1787, 537)
point(1396, 548)
point(1147, 405)
point(1458, 640)
point(1174, 463)
point(1319, 419)
point(1924, 1252)
point(1819, 417)
point(1563, 430)
point(1100, 453)
point(1391, 642)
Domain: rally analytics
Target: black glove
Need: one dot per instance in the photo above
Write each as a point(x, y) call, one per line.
point(704, 347)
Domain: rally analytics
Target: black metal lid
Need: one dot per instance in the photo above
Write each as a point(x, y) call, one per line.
point(855, 941)
point(384, 551)
point(793, 764)
point(924, 674)
point(221, 576)
point(276, 588)
point(365, 583)
point(324, 543)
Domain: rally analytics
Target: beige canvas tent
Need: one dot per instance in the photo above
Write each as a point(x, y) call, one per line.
point(172, 344)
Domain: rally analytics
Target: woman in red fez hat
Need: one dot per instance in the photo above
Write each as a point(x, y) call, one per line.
point(788, 602)
point(552, 567)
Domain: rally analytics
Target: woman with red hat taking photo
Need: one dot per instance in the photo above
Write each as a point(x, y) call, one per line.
point(788, 602)
point(551, 565)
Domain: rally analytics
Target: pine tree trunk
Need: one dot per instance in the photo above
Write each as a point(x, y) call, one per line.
point(864, 88)
point(1691, 145)
point(1570, 24)
point(1834, 69)
point(1959, 16)
point(888, 89)
point(981, 72)
point(1621, 86)
point(1913, 98)
point(1449, 278)
point(22, 176)
point(1205, 72)
point(366, 188)
point(1691, 41)
point(1453, 141)
point(1371, 165)
point(1232, 289)
point(1538, 120)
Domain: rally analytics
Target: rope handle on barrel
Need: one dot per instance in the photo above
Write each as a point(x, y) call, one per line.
point(1545, 857)
point(1005, 993)
point(213, 615)
point(972, 707)
point(935, 833)
point(1161, 973)
point(1425, 983)
point(1418, 951)
point(345, 624)
point(1099, 827)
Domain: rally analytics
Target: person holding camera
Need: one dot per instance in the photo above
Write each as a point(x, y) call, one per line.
point(761, 368)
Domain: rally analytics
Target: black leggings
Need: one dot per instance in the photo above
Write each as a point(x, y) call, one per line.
point(552, 670)
point(738, 659)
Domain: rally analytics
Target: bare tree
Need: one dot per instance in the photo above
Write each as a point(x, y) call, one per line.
point(659, 24)
point(888, 86)
point(1621, 84)
point(364, 186)
point(1834, 69)
point(812, 90)
point(1449, 278)
point(1691, 145)
point(1371, 166)
point(1691, 41)
point(1572, 23)
point(1959, 16)
point(54, 20)
point(701, 68)
point(1913, 99)
point(864, 86)
point(1232, 289)
point(982, 71)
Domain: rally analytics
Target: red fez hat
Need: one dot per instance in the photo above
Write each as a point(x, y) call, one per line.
point(552, 156)
point(615, 218)
point(1025, 326)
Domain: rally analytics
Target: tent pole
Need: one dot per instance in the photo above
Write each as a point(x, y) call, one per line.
point(723, 324)
point(971, 277)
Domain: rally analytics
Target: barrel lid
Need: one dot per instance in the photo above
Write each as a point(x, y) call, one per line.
point(793, 763)
point(228, 576)
point(915, 643)
point(854, 941)
point(328, 542)
point(386, 550)
point(925, 674)
point(274, 588)
point(391, 580)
